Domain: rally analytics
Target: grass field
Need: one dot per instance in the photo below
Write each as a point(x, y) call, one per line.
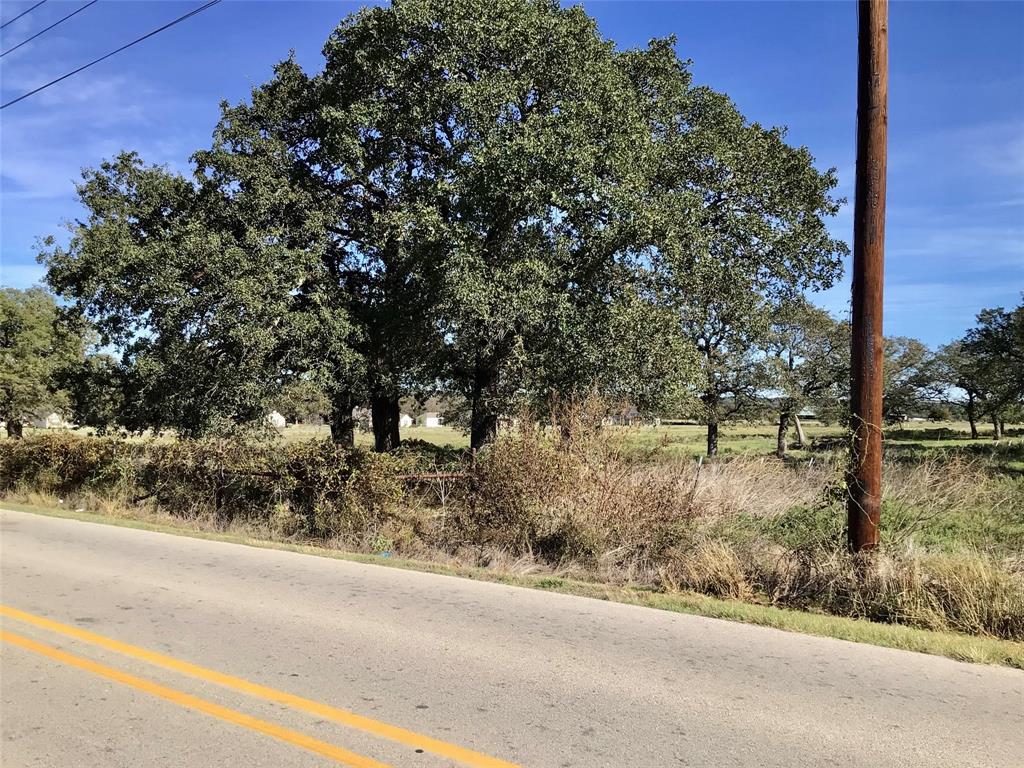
point(675, 440)
point(911, 441)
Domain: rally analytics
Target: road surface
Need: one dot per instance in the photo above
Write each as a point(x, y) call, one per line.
point(132, 648)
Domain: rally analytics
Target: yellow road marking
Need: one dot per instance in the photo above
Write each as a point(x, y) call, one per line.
point(351, 719)
point(189, 701)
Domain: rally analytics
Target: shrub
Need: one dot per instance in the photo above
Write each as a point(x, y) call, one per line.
point(62, 463)
point(226, 479)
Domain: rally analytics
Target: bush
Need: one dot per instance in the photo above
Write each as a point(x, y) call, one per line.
point(62, 463)
point(315, 489)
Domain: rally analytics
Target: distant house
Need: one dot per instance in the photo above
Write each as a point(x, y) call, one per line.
point(430, 419)
point(405, 420)
point(53, 421)
point(626, 417)
point(276, 420)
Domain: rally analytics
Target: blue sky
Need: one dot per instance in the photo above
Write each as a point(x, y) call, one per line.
point(955, 239)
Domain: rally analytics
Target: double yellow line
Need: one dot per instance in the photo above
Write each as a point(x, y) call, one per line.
point(368, 725)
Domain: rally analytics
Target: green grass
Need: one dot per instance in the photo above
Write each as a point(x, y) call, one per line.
point(911, 439)
point(982, 650)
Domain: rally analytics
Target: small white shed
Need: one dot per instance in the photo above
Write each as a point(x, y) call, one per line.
point(276, 420)
point(430, 419)
point(52, 421)
point(405, 420)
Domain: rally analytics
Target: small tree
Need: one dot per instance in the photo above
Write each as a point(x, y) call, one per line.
point(911, 378)
point(962, 374)
point(36, 344)
point(811, 355)
point(996, 345)
point(728, 327)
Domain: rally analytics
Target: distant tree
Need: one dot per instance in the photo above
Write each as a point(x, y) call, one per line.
point(960, 371)
point(736, 221)
point(912, 378)
point(728, 328)
point(301, 400)
point(36, 344)
point(810, 351)
point(996, 344)
point(939, 413)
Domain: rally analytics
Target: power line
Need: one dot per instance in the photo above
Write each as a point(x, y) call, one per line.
point(22, 14)
point(169, 24)
point(37, 34)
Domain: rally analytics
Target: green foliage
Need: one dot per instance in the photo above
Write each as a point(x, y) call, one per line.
point(96, 391)
point(314, 489)
point(996, 348)
point(811, 357)
point(37, 342)
point(61, 463)
point(487, 197)
point(737, 223)
point(301, 401)
point(196, 295)
point(911, 378)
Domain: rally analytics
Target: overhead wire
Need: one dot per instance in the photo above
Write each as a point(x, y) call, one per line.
point(43, 31)
point(22, 14)
point(106, 56)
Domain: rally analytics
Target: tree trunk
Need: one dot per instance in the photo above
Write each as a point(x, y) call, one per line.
point(713, 435)
point(780, 440)
point(971, 416)
point(997, 428)
point(385, 412)
point(343, 426)
point(801, 436)
point(484, 426)
point(15, 429)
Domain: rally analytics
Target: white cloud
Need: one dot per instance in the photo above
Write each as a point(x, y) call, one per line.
point(45, 141)
point(963, 248)
point(972, 150)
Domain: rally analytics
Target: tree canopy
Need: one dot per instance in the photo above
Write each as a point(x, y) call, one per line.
point(482, 199)
point(989, 363)
point(36, 344)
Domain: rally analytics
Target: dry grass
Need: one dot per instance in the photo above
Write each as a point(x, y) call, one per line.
point(579, 501)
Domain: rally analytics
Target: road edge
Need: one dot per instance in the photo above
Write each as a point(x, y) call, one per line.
point(959, 647)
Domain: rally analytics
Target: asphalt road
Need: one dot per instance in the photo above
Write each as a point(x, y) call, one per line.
point(130, 648)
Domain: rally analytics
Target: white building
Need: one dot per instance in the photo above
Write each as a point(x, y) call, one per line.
point(405, 420)
point(430, 419)
point(53, 421)
point(276, 420)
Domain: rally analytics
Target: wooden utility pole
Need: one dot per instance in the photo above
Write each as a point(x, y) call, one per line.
point(864, 478)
